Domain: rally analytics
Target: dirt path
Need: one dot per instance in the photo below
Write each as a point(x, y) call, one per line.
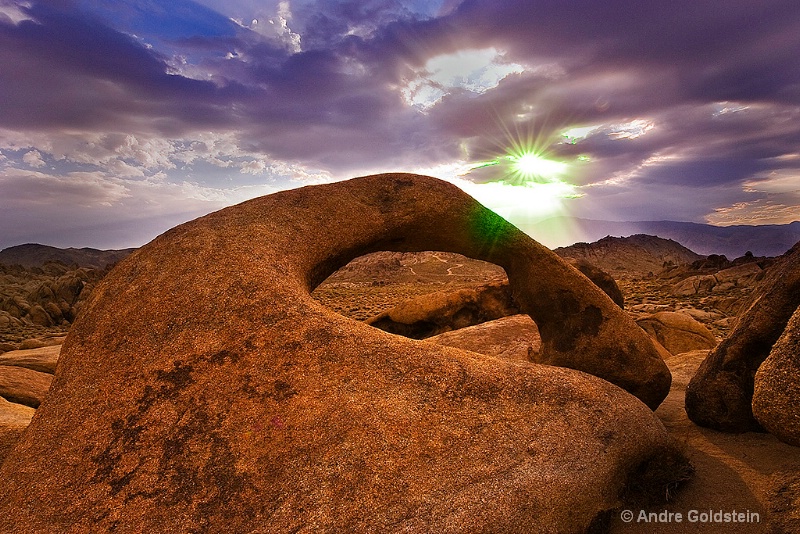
point(733, 472)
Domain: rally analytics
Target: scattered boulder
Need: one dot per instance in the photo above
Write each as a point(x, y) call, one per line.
point(720, 394)
point(39, 316)
point(8, 321)
point(42, 359)
point(694, 285)
point(254, 407)
point(443, 311)
point(514, 337)
point(737, 276)
point(677, 332)
point(14, 418)
point(23, 386)
point(776, 396)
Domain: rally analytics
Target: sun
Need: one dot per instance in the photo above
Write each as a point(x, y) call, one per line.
point(531, 166)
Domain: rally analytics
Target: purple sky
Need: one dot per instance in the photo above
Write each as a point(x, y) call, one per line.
point(122, 118)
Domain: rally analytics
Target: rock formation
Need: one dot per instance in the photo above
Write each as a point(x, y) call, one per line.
point(637, 255)
point(43, 297)
point(776, 397)
point(738, 276)
point(677, 332)
point(239, 403)
point(514, 337)
point(444, 311)
point(25, 376)
point(721, 393)
point(42, 359)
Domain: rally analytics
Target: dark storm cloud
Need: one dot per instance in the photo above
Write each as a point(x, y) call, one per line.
point(700, 96)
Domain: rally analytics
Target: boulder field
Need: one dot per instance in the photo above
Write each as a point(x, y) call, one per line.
point(237, 403)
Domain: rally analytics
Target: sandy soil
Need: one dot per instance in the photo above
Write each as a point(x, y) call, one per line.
point(733, 472)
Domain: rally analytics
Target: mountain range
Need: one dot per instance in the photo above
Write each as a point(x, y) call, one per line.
point(705, 239)
point(35, 255)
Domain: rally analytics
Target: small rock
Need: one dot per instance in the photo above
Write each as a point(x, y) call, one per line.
point(677, 332)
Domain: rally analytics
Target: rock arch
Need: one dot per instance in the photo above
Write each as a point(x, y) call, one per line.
point(203, 389)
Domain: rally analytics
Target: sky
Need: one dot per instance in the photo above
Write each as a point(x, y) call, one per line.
point(122, 118)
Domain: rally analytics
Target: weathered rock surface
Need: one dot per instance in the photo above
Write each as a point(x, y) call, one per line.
point(677, 332)
point(23, 386)
point(514, 337)
point(238, 403)
point(42, 359)
point(14, 418)
point(776, 396)
point(720, 394)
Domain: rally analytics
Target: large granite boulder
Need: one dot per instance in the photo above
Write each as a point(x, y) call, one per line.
point(720, 394)
point(238, 403)
point(776, 395)
point(677, 332)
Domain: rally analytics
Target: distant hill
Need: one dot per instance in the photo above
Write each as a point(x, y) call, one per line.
point(732, 241)
point(33, 255)
point(636, 255)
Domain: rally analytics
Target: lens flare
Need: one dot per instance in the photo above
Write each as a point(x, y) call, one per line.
point(533, 166)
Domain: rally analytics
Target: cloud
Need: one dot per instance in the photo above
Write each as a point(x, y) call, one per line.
point(670, 110)
point(33, 159)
